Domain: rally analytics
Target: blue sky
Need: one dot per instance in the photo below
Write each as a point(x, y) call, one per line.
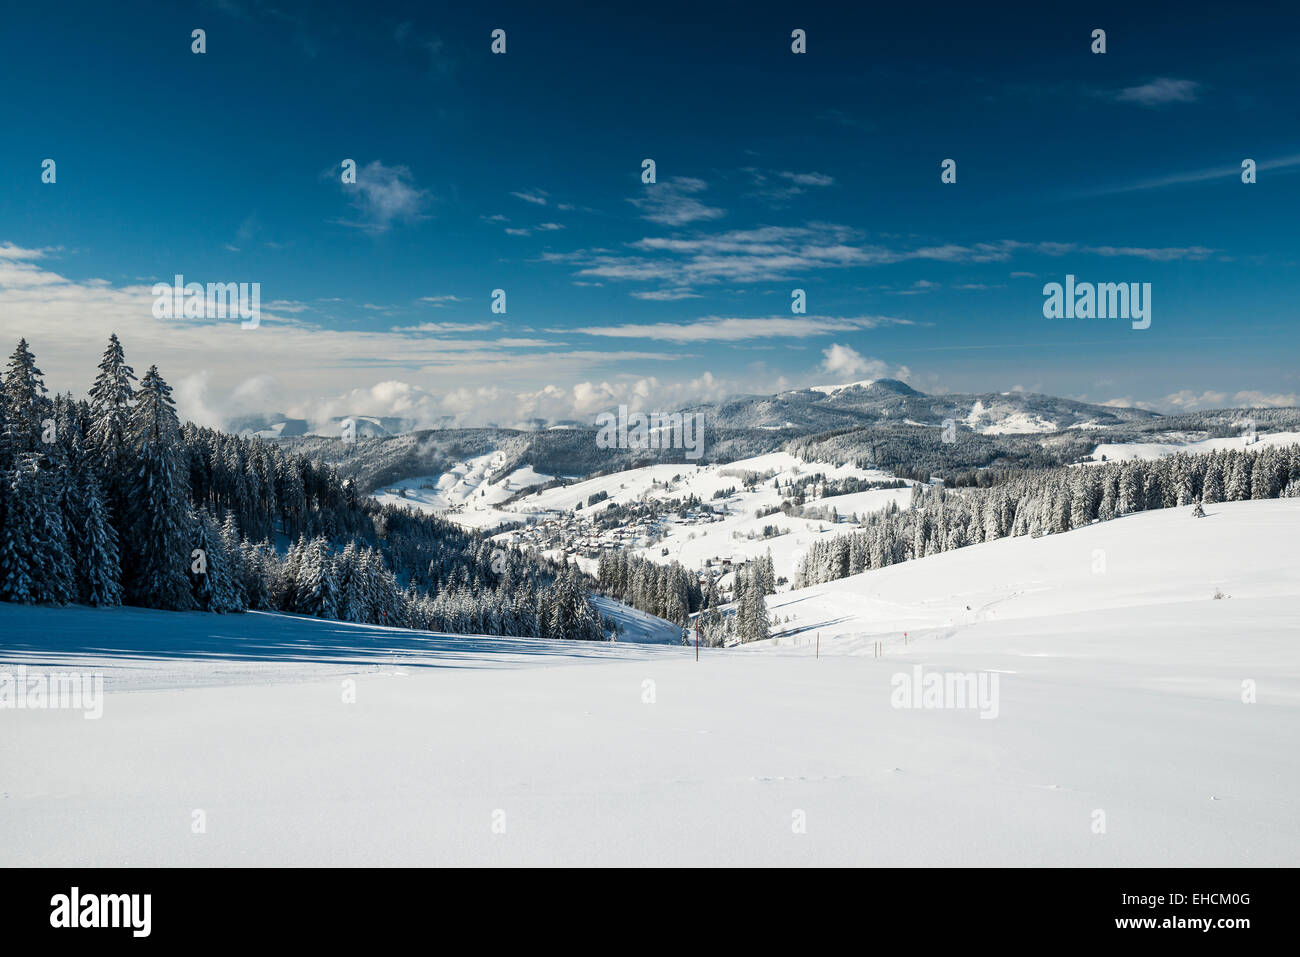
point(775, 171)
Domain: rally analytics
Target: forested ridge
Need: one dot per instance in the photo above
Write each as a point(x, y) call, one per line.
point(110, 500)
point(1051, 501)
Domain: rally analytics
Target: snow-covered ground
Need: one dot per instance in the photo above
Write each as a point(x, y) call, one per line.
point(469, 494)
point(1121, 735)
point(639, 627)
point(998, 421)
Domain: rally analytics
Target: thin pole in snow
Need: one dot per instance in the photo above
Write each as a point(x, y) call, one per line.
point(819, 644)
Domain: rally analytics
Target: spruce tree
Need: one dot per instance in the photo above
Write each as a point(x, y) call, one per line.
point(156, 549)
point(110, 423)
point(94, 545)
point(26, 406)
point(18, 536)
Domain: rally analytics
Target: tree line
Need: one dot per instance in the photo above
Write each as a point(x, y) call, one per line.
point(110, 500)
point(1045, 503)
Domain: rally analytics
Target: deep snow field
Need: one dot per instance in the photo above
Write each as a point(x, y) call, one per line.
point(1120, 691)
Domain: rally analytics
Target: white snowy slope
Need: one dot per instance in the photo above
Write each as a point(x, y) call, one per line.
point(1120, 692)
point(639, 627)
point(468, 493)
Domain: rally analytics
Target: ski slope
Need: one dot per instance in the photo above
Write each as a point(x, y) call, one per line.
point(1120, 692)
point(468, 494)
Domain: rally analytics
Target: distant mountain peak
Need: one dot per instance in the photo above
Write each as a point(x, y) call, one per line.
point(832, 389)
point(893, 386)
point(897, 386)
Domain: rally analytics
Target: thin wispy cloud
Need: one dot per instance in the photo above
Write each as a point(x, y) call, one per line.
point(775, 253)
point(430, 47)
point(1161, 91)
point(439, 327)
point(674, 202)
point(1191, 177)
point(385, 196)
point(781, 186)
point(738, 329)
point(664, 295)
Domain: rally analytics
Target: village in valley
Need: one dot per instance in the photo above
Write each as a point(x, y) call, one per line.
point(713, 519)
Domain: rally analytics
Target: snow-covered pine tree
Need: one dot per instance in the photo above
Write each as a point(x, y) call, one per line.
point(26, 405)
point(110, 418)
point(96, 560)
point(156, 555)
point(317, 594)
point(1237, 486)
point(201, 568)
point(1212, 489)
point(213, 578)
point(351, 585)
point(18, 535)
point(53, 582)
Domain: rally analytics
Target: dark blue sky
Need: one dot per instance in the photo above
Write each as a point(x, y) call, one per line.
point(775, 171)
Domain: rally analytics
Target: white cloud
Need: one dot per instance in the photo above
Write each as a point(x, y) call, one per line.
point(10, 251)
point(847, 363)
point(1253, 397)
point(808, 179)
point(68, 321)
point(727, 329)
point(415, 406)
point(288, 305)
point(782, 185)
point(384, 196)
point(777, 253)
point(448, 327)
point(1160, 92)
point(1188, 400)
point(673, 202)
point(665, 295)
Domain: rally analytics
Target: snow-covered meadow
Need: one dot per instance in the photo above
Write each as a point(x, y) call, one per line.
point(1140, 721)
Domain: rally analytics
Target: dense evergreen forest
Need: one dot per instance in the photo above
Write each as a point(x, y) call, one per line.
point(1055, 500)
point(110, 500)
